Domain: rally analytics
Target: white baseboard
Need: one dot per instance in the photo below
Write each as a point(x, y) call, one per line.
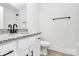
point(67, 51)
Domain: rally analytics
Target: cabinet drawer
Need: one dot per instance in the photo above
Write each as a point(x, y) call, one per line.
point(8, 49)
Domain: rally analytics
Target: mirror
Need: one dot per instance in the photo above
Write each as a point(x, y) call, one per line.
point(13, 13)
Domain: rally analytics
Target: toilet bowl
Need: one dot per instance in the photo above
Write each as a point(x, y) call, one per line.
point(44, 46)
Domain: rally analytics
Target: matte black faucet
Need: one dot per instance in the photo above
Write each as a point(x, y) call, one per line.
point(10, 28)
point(14, 30)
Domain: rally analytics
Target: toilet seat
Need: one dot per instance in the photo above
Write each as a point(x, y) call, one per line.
point(44, 44)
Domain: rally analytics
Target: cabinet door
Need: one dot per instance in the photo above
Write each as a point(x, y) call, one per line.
point(27, 52)
point(23, 44)
point(24, 52)
point(32, 50)
point(35, 48)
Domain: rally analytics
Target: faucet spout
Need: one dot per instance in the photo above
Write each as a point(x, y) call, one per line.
point(10, 26)
point(14, 30)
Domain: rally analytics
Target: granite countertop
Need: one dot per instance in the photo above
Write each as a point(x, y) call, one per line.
point(7, 37)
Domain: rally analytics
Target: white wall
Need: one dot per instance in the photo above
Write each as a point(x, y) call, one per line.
point(77, 22)
point(33, 17)
point(60, 33)
point(1, 17)
point(9, 17)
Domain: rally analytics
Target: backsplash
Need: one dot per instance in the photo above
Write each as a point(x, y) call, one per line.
point(22, 30)
point(6, 30)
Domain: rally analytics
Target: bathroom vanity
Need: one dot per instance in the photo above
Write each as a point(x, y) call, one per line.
point(14, 43)
point(20, 44)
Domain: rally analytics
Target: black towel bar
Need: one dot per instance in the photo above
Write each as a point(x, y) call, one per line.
point(62, 18)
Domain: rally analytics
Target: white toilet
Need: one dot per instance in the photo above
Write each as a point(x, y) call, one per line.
point(44, 47)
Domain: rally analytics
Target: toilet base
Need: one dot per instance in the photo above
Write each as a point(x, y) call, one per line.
point(43, 51)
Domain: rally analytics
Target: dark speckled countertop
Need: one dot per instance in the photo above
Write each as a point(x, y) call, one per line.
point(11, 37)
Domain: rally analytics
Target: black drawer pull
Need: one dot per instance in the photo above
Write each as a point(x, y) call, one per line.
point(32, 53)
point(7, 53)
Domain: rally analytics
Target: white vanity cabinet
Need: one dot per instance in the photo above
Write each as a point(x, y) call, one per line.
point(8, 49)
point(29, 46)
point(24, 46)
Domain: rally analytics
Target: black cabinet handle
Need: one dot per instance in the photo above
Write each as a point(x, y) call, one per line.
point(32, 53)
point(7, 53)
